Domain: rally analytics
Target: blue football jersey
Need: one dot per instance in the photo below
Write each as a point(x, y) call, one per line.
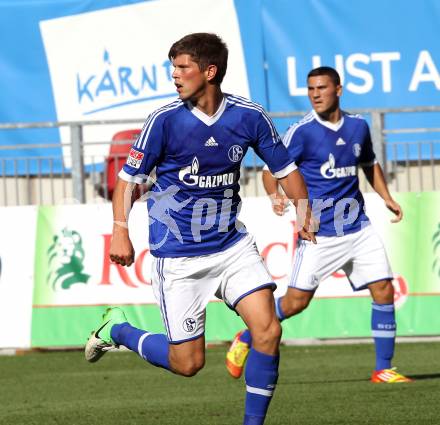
point(328, 156)
point(194, 203)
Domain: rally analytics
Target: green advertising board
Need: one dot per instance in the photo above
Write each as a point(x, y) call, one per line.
point(70, 293)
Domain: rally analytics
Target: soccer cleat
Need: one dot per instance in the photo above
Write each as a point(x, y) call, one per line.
point(100, 341)
point(388, 376)
point(236, 356)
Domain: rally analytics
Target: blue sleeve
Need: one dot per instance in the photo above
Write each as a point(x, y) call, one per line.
point(270, 148)
point(293, 140)
point(367, 156)
point(145, 152)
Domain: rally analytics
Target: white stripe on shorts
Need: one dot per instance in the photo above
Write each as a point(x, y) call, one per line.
point(163, 307)
point(297, 266)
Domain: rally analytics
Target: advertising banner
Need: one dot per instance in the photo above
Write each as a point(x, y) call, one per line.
point(125, 72)
point(413, 248)
point(75, 281)
point(74, 277)
point(395, 65)
point(108, 60)
point(72, 265)
point(17, 254)
point(383, 62)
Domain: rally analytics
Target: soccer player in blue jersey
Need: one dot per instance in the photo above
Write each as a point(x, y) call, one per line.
point(329, 145)
point(200, 249)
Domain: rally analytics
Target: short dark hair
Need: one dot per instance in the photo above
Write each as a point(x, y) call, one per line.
point(326, 70)
point(205, 49)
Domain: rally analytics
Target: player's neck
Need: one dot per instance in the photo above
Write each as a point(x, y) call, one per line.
point(210, 101)
point(333, 116)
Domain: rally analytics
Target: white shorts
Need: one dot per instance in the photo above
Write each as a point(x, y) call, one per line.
point(183, 286)
point(361, 255)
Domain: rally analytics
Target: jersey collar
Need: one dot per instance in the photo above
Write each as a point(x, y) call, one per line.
point(332, 126)
point(208, 120)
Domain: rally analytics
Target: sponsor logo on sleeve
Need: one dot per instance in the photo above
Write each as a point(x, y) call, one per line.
point(135, 158)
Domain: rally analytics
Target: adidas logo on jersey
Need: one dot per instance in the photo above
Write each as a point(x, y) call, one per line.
point(340, 142)
point(211, 142)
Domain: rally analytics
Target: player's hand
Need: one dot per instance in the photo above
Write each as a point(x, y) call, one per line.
point(121, 248)
point(307, 236)
point(396, 209)
point(280, 203)
point(308, 231)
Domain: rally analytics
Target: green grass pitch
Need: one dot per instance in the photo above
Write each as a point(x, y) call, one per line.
point(317, 385)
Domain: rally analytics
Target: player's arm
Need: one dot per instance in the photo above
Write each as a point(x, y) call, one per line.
point(295, 188)
point(271, 186)
point(140, 163)
point(374, 174)
point(121, 248)
point(376, 178)
point(283, 168)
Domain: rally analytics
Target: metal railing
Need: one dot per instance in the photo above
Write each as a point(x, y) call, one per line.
point(76, 173)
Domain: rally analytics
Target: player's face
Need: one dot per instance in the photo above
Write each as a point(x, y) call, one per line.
point(190, 82)
point(323, 94)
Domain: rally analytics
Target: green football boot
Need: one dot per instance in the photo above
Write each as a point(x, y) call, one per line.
point(100, 341)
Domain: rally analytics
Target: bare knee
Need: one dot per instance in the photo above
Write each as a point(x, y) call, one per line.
point(382, 292)
point(267, 336)
point(187, 358)
point(294, 302)
point(187, 366)
point(189, 370)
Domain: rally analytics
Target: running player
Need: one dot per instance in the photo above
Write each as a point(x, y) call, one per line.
point(328, 146)
point(200, 249)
